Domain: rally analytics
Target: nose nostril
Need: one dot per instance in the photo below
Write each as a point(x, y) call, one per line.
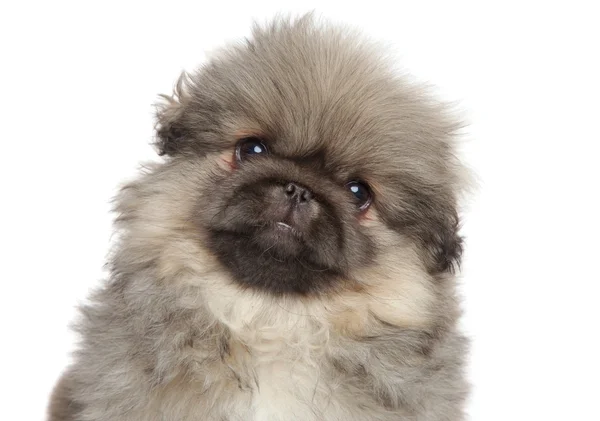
point(305, 196)
point(290, 189)
point(298, 193)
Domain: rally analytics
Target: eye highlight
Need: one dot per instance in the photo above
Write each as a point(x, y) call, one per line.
point(362, 194)
point(248, 147)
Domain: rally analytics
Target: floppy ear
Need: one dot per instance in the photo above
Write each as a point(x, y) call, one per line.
point(170, 125)
point(443, 243)
point(430, 218)
point(436, 227)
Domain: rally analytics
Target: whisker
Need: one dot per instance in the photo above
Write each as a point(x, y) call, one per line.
point(311, 269)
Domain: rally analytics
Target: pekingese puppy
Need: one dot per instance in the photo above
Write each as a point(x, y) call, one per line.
point(292, 258)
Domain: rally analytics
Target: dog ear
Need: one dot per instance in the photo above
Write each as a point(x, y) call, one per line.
point(430, 218)
point(171, 128)
point(436, 226)
point(443, 243)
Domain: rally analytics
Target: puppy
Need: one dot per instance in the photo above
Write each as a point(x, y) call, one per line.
point(292, 258)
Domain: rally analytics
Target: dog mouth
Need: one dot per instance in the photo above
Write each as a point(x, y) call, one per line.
point(280, 237)
point(283, 226)
point(287, 228)
point(277, 254)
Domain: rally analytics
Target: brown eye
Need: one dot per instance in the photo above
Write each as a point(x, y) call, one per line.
point(361, 193)
point(248, 147)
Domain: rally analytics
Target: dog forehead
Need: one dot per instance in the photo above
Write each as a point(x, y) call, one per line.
point(320, 95)
point(346, 155)
point(303, 117)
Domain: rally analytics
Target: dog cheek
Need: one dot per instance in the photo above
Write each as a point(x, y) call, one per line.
point(369, 218)
point(225, 161)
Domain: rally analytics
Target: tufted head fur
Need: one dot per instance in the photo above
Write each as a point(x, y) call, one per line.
point(293, 256)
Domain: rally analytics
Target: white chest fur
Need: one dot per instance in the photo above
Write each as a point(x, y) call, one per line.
point(280, 348)
point(278, 351)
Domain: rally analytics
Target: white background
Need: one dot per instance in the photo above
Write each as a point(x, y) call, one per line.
point(76, 88)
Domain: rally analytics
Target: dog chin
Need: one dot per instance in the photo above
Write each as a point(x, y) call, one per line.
point(274, 259)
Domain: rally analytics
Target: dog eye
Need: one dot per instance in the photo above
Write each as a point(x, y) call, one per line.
point(250, 146)
point(362, 194)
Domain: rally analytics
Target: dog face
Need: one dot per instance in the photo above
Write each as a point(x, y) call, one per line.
point(304, 158)
point(283, 223)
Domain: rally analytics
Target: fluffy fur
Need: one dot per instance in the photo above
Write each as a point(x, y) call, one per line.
point(352, 319)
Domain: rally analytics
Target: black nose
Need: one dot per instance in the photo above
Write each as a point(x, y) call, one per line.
point(298, 193)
